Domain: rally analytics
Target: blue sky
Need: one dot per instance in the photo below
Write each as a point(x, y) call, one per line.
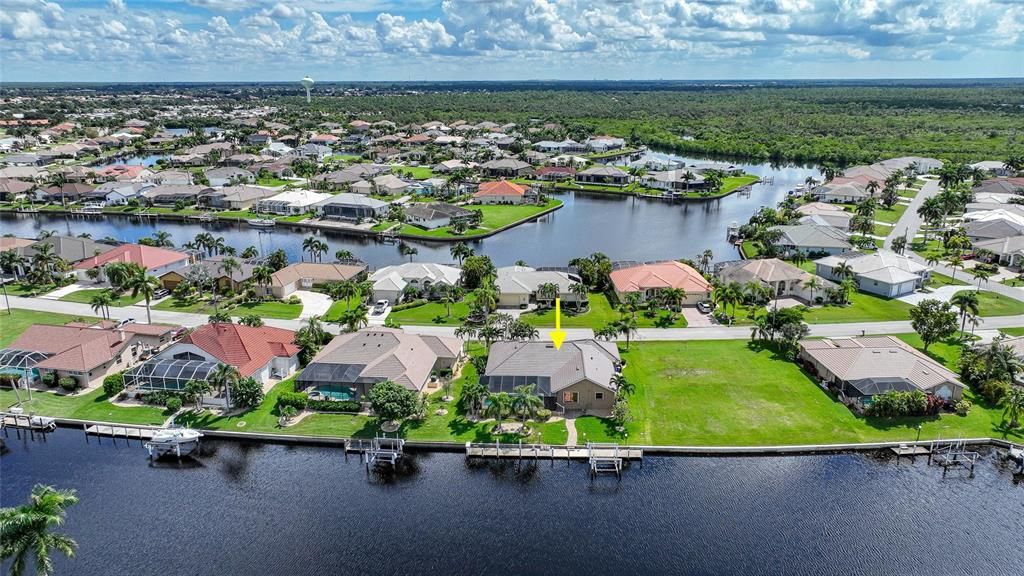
point(239, 40)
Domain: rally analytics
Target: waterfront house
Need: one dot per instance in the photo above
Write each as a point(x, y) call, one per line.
point(213, 269)
point(70, 192)
point(433, 215)
point(883, 273)
point(450, 165)
point(858, 369)
point(506, 168)
point(89, 352)
point(603, 175)
point(824, 213)
point(389, 185)
point(123, 173)
point(392, 282)
point(291, 202)
point(504, 192)
point(264, 353)
point(578, 376)
point(681, 180)
point(172, 194)
point(349, 206)
point(70, 249)
point(236, 197)
point(518, 286)
point(554, 173)
point(351, 364)
point(171, 178)
point(228, 175)
point(11, 189)
point(812, 239)
point(648, 280)
point(784, 279)
point(154, 260)
point(841, 191)
point(115, 193)
point(306, 275)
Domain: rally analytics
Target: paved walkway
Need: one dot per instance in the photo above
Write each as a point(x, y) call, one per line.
point(909, 223)
point(65, 290)
point(572, 438)
point(942, 294)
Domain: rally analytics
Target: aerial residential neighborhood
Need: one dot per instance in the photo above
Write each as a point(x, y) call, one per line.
point(575, 287)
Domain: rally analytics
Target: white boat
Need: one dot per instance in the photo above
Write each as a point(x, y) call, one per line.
point(261, 222)
point(176, 441)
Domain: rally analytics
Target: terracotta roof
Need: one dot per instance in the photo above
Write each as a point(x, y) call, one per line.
point(501, 188)
point(70, 347)
point(659, 275)
point(149, 257)
point(245, 347)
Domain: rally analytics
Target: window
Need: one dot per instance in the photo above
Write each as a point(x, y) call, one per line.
point(571, 396)
point(599, 396)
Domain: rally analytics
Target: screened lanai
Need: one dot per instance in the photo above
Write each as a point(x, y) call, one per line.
point(168, 373)
point(20, 362)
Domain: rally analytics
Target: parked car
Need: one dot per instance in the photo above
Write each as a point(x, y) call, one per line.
point(380, 306)
point(125, 321)
point(160, 293)
point(705, 307)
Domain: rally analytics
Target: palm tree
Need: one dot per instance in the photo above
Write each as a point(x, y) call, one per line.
point(955, 262)
point(310, 245)
point(813, 284)
point(58, 180)
point(344, 256)
point(705, 259)
point(627, 327)
point(980, 274)
point(932, 212)
point(262, 276)
point(196, 389)
point(10, 260)
point(498, 406)
point(473, 394)
point(526, 402)
point(548, 292)
point(310, 337)
point(871, 188)
point(223, 377)
point(356, 318)
point(162, 239)
point(448, 298)
point(842, 270)
point(101, 301)
point(407, 250)
point(1014, 405)
point(26, 532)
point(460, 251)
point(623, 387)
point(345, 290)
point(140, 282)
point(967, 302)
point(229, 266)
point(581, 292)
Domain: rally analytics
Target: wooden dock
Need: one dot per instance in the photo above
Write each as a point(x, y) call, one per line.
point(116, 431)
point(910, 450)
point(545, 451)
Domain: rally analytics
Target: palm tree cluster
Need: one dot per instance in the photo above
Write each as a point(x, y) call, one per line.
point(990, 369)
point(315, 247)
point(498, 327)
point(204, 241)
point(27, 532)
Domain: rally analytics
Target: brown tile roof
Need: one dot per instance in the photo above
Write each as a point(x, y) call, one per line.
point(659, 275)
point(318, 272)
point(71, 347)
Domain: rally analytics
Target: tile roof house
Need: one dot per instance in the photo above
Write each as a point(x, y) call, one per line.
point(884, 273)
point(604, 175)
point(124, 173)
point(390, 282)
point(349, 206)
point(509, 167)
point(263, 352)
point(225, 175)
point(212, 266)
point(577, 376)
point(860, 368)
point(1009, 251)
point(649, 279)
point(504, 192)
point(784, 279)
point(88, 353)
point(155, 260)
point(353, 363)
point(827, 214)
point(305, 275)
point(69, 248)
point(292, 202)
point(518, 286)
point(1000, 186)
point(812, 239)
point(984, 230)
point(236, 197)
point(435, 214)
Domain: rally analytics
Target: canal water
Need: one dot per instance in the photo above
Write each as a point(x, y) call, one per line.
point(243, 509)
point(624, 228)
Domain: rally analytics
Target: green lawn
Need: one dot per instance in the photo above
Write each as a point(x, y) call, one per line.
point(197, 306)
point(729, 184)
point(730, 393)
point(280, 310)
point(992, 304)
point(599, 313)
point(338, 308)
point(907, 192)
point(418, 172)
point(433, 313)
point(890, 215)
point(863, 308)
point(13, 324)
point(938, 280)
point(26, 289)
point(272, 182)
point(90, 406)
point(85, 297)
point(496, 216)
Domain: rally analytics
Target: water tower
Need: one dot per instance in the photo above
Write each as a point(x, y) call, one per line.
point(307, 83)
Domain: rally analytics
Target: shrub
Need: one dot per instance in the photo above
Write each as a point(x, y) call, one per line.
point(49, 378)
point(8, 380)
point(113, 384)
point(173, 404)
point(297, 400)
point(392, 401)
point(247, 393)
point(335, 406)
point(899, 404)
point(68, 383)
point(295, 300)
point(994, 390)
point(963, 407)
point(408, 305)
point(542, 415)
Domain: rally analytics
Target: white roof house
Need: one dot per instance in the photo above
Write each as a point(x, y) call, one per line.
point(1012, 216)
point(391, 281)
point(291, 202)
point(884, 272)
point(518, 284)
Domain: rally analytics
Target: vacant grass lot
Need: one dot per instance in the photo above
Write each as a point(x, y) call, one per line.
point(433, 313)
point(13, 324)
point(279, 310)
point(85, 297)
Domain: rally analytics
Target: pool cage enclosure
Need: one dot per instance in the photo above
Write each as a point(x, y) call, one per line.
point(20, 362)
point(168, 374)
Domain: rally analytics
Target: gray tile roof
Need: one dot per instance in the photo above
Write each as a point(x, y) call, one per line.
point(880, 358)
point(514, 363)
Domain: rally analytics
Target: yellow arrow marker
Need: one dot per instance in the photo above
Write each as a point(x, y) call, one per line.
point(558, 335)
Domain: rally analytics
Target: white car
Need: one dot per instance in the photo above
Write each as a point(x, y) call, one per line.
point(380, 306)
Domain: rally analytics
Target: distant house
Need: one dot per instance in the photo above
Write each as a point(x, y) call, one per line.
point(604, 143)
point(70, 192)
point(578, 376)
point(88, 353)
point(604, 175)
point(154, 260)
point(349, 206)
point(352, 364)
point(845, 192)
point(993, 167)
point(11, 188)
point(264, 353)
point(884, 273)
point(170, 178)
point(430, 216)
point(812, 239)
point(306, 275)
point(518, 286)
point(213, 268)
point(324, 139)
point(171, 194)
point(236, 197)
point(984, 231)
point(389, 185)
point(859, 369)
point(1009, 251)
point(391, 282)
point(675, 180)
point(504, 192)
point(291, 202)
point(506, 167)
point(556, 173)
point(785, 280)
point(999, 186)
point(315, 151)
point(227, 175)
point(649, 280)
point(71, 249)
point(826, 214)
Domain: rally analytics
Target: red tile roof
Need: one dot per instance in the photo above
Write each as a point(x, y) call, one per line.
point(658, 276)
point(149, 257)
point(70, 347)
point(501, 188)
point(247, 348)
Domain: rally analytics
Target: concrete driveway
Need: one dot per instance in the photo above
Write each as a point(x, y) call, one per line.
point(942, 294)
point(313, 303)
point(695, 319)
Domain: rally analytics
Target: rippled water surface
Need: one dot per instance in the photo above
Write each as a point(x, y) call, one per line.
point(242, 509)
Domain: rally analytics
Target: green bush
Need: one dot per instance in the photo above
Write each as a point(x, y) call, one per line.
point(49, 378)
point(408, 305)
point(297, 400)
point(899, 404)
point(295, 300)
point(68, 383)
point(173, 404)
point(113, 384)
point(392, 401)
point(542, 415)
point(963, 407)
point(335, 406)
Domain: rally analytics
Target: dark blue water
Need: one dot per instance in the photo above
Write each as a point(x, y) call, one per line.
point(243, 509)
point(623, 228)
point(145, 160)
